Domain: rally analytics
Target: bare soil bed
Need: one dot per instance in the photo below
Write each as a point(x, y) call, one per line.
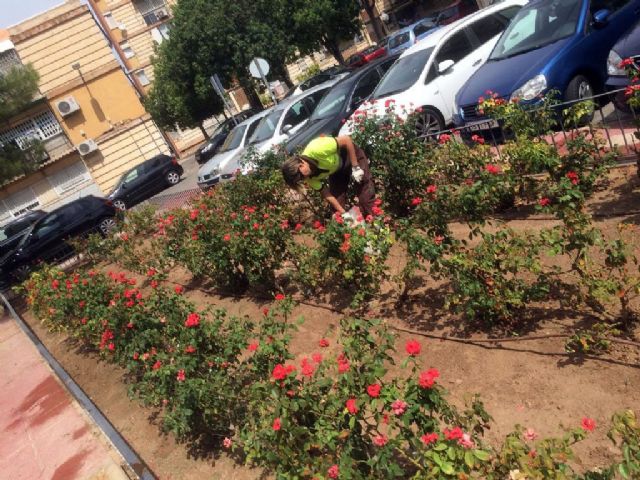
point(533, 383)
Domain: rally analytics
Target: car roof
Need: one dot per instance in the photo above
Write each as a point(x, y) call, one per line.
point(286, 103)
point(366, 68)
point(434, 39)
point(252, 118)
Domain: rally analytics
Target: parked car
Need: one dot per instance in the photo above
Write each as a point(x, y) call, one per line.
point(428, 75)
point(550, 45)
point(12, 232)
point(145, 180)
point(340, 102)
point(455, 11)
point(226, 162)
point(287, 118)
point(627, 47)
point(47, 239)
point(333, 73)
point(408, 36)
point(211, 147)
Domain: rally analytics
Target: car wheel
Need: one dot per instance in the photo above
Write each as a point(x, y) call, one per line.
point(428, 122)
point(120, 204)
point(106, 225)
point(172, 177)
point(579, 88)
point(22, 272)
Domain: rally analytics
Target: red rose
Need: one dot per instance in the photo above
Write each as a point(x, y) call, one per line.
point(492, 169)
point(276, 424)
point(157, 365)
point(413, 347)
point(416, 201)
point(253, 347)
point(280, 296)
point(179, 289)
point(380, 440)
point(428, 438)
point(453, 434)
point(588, 424)
point(333, 471)
point(193, 320)
point(180, 376)
point(428, 378)
point(374, 390)
point(431, 189)
point(444, 138)
point(189, 349)
point(55, 284)
point(317, 357)
point(544, 202)
point(573, 176)
point(351, 406)
point(323, 343)
point(477, 139)
point(226, 237)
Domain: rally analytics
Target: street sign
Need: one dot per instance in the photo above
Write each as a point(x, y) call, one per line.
point(259, 68)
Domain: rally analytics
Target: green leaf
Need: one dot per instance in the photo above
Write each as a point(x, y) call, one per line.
point(469, 459)
point(481, 455)
point(624, 470)
point(447, 468)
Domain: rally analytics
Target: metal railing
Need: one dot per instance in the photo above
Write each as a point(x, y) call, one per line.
point(620, 131)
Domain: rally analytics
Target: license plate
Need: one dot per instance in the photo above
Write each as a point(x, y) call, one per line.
point(485, 125)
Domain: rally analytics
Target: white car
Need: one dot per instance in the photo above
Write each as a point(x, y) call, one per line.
point(287, 118)
point(226, 162)
point(427, 76)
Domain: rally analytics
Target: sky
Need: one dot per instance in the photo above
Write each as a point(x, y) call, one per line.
point(14, 11)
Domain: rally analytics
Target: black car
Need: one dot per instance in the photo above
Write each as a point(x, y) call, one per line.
point(145, 180)
point(211, 147)
point(340, 102)
point(46, 240)
point(12, 233)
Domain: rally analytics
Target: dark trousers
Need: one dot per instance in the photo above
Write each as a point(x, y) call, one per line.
point(365, 190)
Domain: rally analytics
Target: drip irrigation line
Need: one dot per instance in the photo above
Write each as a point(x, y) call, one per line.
point(421, 333)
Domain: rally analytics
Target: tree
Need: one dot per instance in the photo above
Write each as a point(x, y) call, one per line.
point(369, 7)
point(325, 23)
point(18, 87)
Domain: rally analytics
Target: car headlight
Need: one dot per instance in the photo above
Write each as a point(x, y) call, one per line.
point(613, 64)
point(531, 89)
point(461, 113)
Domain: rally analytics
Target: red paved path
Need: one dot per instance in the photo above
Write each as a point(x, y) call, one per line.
point(43, 432)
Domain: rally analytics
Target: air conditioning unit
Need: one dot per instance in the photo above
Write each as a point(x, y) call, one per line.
point(86, 147)
point(162, 13)
point(67, 106)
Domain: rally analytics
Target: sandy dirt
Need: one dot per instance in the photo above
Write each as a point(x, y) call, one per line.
point(532, 383)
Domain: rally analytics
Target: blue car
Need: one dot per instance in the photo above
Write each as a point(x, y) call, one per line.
point(550, 45)
point(404, 38)
point(627, 47)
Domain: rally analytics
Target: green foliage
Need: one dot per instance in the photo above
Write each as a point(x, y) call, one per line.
point(312, 71)
point(18, 87)
point(592, 340)
point(497, 278)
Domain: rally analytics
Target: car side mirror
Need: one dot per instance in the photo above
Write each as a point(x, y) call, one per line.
point(445, 65)
point(601, 18)
point(287, 128)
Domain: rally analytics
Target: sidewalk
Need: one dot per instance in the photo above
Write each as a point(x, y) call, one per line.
point(44, 432)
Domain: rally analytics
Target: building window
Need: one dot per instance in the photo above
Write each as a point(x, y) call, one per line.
point(9, 59)
point(68, 178)
point(127, 50)
point(41, 127)
point(21, 202)
point(160, 33)
point(142, 78)
point(153, 11)
point(111, 22)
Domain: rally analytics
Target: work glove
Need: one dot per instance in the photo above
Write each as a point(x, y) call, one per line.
point(348, 219)
point(357, 174)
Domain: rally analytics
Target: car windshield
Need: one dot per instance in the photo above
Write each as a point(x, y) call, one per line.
point(266, 127)
point(403, 73)
point(332, 102)
point(536, 26)
point(399, 40)
point(234, 139)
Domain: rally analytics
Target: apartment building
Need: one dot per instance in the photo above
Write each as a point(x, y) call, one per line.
point(135, 27)
point(87, 113)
